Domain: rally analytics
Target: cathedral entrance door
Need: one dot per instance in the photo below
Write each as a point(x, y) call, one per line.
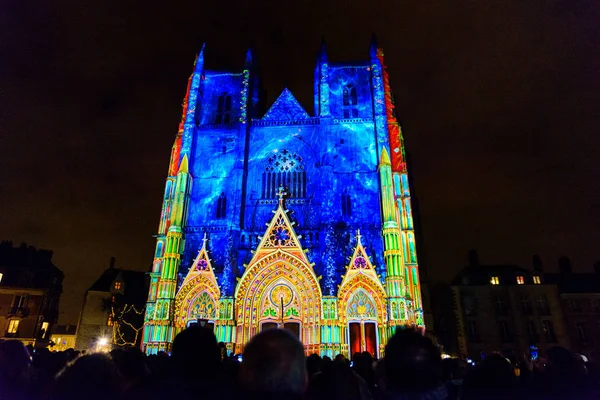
point(355, 338)
point(371, 338)
point(293, 327)
point(362, 337)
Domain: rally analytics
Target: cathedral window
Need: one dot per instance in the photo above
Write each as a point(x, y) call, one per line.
point(346, 205)
point(221, 206)
point(350, 101)
point(224, 109)
point(285, 169)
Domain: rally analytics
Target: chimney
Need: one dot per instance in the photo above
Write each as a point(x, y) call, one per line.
point(473, 258)
point(537, 263)
point(564, 265)
point(112, 263)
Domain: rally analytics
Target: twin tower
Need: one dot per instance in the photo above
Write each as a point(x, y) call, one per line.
point(287, 219)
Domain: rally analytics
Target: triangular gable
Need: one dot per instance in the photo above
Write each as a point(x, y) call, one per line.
point(360, 264)
point(202, 266)
point(280, 235)
point(286, 108)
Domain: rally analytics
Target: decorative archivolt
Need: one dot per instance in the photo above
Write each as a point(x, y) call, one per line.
point(192, 292)
point(352, 288)
point(275, 267)
point(198, 297)
point(361, 276)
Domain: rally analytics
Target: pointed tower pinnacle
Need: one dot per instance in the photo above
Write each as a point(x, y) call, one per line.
point(183, 167)
point(204, 241)
point(323, 51)
point(385, 158)
point(358, 236)
point(199, 64)
point(249, 58)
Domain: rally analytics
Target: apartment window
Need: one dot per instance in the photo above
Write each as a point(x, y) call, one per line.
point(595, 305)
point(117, 285)
point(526, 305)
point(504, 331)
point(472, 331)
point(543, 305)
point(470, 305)
point(537, 280)
point(223, 109)
point(13, 326)
point(495, 280)
point(350, 101)
point(520, 279)
point(44, 330)
point(532, 332)
point(575, 305)
point(221, 206)
point(500, 305)
point(19, 304)
point(549, 333)
point(580, 328)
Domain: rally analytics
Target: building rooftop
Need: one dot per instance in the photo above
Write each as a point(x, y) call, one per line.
point(474, 275)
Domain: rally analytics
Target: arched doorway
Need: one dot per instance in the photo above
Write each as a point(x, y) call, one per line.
point(361, 314)
point(280, 291)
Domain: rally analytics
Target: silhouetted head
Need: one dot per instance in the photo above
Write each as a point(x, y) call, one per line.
point(313, 364)
point(274, 364)
point(89, 377)
point(131, 363)
point(195, 353)
point(14, 359)
point(340, 358)
point(412, 362)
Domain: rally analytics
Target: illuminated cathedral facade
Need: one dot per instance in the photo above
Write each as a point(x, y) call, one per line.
point(285, 219)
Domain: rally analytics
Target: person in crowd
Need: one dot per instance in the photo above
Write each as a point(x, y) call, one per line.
point(493, 378)
point(413, 367)
point(131, 363)
point(338, 382)
point(314, 364)
point(90, 377)
point(15, 370)
point(274, 366)
point(363, 366)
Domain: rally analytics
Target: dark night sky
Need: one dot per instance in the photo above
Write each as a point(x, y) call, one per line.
point(499, 105)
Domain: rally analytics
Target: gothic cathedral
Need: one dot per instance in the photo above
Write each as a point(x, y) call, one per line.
point(285, 219)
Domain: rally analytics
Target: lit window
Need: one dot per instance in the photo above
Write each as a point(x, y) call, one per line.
point(222, 206)
point(350, 101)
point(495, 280)
point(536, 279)
point(13, 326)
point(117, 285)
point(520, 279)
point(223, 109)
point(1, 275)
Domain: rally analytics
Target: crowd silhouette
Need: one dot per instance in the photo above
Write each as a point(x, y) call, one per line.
point(273, 366)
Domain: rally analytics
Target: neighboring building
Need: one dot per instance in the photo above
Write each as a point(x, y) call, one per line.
point(112, 312)
point(580, 295)
point(506, 308)
point(337, 260)
point(63, 337)
point(30, 288)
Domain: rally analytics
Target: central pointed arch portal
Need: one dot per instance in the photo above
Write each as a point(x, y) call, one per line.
point(280, 291)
